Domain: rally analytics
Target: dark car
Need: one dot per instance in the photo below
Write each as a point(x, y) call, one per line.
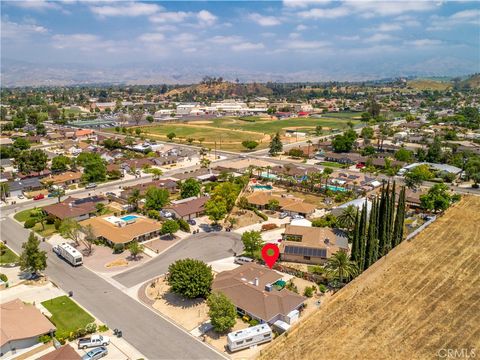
point(192, 222)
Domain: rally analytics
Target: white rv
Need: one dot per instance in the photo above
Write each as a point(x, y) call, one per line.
point(69, 253)
point(246, 338)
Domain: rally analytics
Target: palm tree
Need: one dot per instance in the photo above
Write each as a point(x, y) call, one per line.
point(309, 142)
point(326, 173)
point(134, 198)
point(39, 215)
point(4, 190)
point(341, 267)
point(347, 218)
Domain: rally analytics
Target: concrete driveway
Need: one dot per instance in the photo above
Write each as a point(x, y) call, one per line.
point(207, 247)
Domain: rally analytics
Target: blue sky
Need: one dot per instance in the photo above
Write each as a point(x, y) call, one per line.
point(312, 37)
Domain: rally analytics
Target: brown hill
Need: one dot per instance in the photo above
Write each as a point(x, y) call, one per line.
point(473, 82)
point(427, 84)
point(418, 302)
point(225, 88)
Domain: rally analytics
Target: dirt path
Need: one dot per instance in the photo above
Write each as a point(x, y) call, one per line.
point(420, 300)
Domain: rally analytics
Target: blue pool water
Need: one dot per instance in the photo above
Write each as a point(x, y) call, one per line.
point(264, 187)
point(335, 188)
point(129, 217)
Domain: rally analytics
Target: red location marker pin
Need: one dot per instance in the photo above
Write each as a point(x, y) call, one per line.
point(270, 254)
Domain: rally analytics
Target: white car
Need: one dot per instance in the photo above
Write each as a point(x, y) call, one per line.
point(21, 196)
point(297, 217)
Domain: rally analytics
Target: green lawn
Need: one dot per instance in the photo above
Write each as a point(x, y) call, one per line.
point(67, 315)
point(332, 164)
point(8, 257)
point(22, 216)
point(49, 230)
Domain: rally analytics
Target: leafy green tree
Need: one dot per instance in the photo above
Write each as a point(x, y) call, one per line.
point(70, 229)
point(437, 198)
point(150, 119)
point(367, 133)
point(94, 168)
point(134, 198)
point(435, 152)
point(226, 192)
point(170, 227)
point(171, 136)
point(346, 219)
point(403, 154)
point(32, 259)
point(21, 143)
point(156, 198)
point(345, 142)
point(415, 177)
point(135, 249)
point(60, 163)
point(341, 267)
point(39, 215)
point(89, 237)
point(215, 210)
point(4, 190)
point(328, 220)
point(276, 145)
point(250, 144)
point(222, 312)
point(190, 278)
point(190, 187)
point(273, 205)
point(472, 169)
point(252, 242)
point(31, 160)
point(318, 130)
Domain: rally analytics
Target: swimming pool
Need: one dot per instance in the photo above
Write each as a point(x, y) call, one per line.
point(262, 187)
point(335, 188)
point(129, 218)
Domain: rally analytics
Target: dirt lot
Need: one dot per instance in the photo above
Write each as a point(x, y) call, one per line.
point(419, 300)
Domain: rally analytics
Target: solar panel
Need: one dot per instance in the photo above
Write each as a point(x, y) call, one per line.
point(305, 251)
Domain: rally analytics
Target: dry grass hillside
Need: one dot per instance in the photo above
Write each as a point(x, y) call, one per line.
point(224, 88)
point(426, 84)
point(424, 297)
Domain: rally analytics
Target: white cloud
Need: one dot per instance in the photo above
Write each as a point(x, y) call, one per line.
point(330, 13)
point(349, 38)
point(170, 17)
point(219, 39)
point(303, 3)
point(13, 30)
point(206, 18)
point(301, 27)
point(306, 45)
point(419, 43)
point(130, 9)
point(386, 27)
point(378, 38)
point(163, 28)
point(151, 37)
point(247, 46)
point(294, 35)
point(268, 34)
point(264, 20)
point(84, 42)
point(37, 5)
point(465, 17)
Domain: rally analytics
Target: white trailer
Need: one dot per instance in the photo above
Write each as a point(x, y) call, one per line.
point(69, 253)
point(248, 337)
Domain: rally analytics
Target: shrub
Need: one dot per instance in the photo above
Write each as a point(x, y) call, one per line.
point(44, 339)
point(154, 214)
point(259, 213)
point(80, 333)
point(184, 226)
point(102, 328)
point(253, 322)
point(3, 277)
point(50, 220)
point(57, 223)
point(91, 328)
point(291, 286)
point(29, 223)
point(266, 227)
point(308, 292)
point(118, 248)
point(322, 288)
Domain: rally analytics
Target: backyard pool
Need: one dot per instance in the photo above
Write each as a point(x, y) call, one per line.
point(262, 187)
point(129, 218)
point(335, 188)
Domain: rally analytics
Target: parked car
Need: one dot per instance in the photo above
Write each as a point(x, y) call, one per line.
point(94, 340)
point(109, 193)
point(242, 260)
point(39, 197)
point(298, 217)
point(21, 196)
point(283, 215)
point(91, 186)
point(192, 222)
point(96, 353)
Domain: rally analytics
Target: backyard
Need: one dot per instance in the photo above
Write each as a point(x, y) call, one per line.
point(67, 315)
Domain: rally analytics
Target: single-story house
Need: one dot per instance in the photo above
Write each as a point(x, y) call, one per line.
point(76, 209)
point(250, 289)
point(22, 324)
point(311, 245)
point(189, 208)
point(292, 205)
point(16, 188)
point(200, 174)
point(345, 158)
point(167, 184)
point(63, 179)
point(65, 352)
point(125, 229)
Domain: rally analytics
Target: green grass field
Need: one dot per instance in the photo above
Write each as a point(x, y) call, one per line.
point(67, 315)
point(8, 257)
point(49, 230)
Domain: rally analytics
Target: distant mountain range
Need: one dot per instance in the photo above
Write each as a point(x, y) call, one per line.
point(16, 73)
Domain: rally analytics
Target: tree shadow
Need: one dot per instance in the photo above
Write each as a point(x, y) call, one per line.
point(178, 301)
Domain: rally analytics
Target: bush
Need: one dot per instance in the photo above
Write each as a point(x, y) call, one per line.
point(80, 333)
point(190, 278)
point(44, 339)
point(154, 214)
point(3, 277)
point(57, 223)
point(50, 220)
point(91, 328)
point(253, 322)
point(118, 248)
point(259, 213)
point(291, 286)
point(29, 223)
point(184, 226)
point(322, 288)
point(266, 227)
point(102, 328)
point(309, 291)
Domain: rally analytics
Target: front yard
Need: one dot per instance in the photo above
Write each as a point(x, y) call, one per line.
point(46, 231)
point(8, 256)
point(67, 315)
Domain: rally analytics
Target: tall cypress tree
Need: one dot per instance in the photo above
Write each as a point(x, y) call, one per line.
point(391, 218)
point(363, 235)
point(399, 218)
point(381, 222)
point(371, 243)
point(356, 239)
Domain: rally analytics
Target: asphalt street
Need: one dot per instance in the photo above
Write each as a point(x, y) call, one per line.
point(152, 335)
point(203, 246)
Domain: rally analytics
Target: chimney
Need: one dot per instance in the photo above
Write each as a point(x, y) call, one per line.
point(255, 281)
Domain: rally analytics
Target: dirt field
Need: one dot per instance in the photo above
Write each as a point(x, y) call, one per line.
point(420, 301)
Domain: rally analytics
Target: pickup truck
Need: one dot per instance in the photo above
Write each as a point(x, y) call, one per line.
point(94, 340)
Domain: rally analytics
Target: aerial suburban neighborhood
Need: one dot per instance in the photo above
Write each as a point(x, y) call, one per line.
point(150, 211)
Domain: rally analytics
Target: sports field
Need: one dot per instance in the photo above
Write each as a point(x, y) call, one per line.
point(418, 302)
point(228, 133)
